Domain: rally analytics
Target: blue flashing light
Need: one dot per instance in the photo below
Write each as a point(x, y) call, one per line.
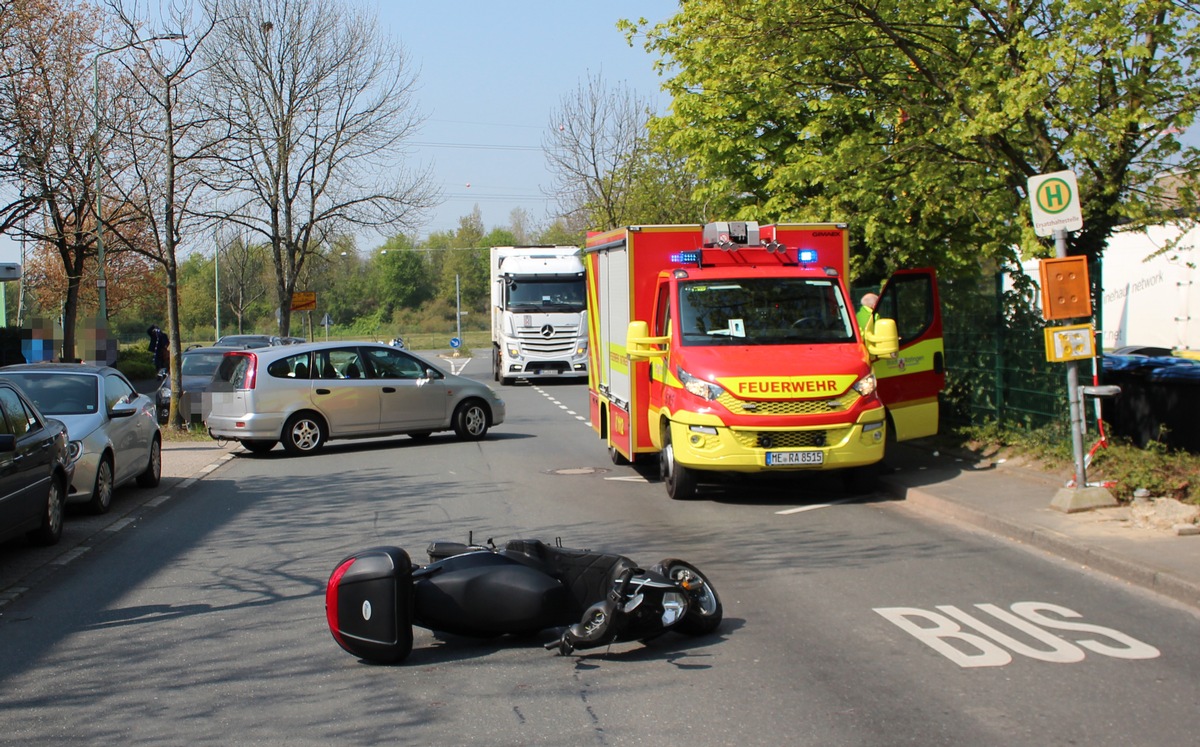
point(685, 258)
point(806, 256)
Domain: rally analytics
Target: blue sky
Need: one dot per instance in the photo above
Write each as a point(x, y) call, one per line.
point(491, 76)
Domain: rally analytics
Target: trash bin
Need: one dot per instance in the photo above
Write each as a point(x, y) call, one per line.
point(1174, 396)
point(1147, 393)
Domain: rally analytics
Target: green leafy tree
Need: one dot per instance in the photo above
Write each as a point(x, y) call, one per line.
point(920, 123)
point(402, 276)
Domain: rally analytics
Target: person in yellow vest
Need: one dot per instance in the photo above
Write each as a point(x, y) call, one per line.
point(866, 308)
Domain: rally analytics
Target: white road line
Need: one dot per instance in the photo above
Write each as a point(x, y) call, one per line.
point(802, 509)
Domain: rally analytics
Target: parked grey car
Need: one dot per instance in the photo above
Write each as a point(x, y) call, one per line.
point(114, 436)
point(34, 469)
point(196, 366)
point(304, 395)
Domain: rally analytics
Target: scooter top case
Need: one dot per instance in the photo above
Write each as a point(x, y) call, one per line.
point(369, 603)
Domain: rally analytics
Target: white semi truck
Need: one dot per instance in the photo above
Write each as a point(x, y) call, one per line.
point(539, 313)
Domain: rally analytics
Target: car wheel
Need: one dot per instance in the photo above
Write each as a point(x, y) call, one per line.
point(304, 433)
point(471, 421)
point(258, 447)
point(102, 493)
point(680, 481)
point(52, 521)
point(153, 472)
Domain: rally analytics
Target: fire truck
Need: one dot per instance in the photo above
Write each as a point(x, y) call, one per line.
point(733, 347)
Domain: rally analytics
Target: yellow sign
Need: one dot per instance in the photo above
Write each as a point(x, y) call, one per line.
point(304, 301)
point(1071, 343)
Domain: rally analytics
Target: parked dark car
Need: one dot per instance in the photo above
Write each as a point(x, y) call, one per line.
point(34, 469)
point(197, 366)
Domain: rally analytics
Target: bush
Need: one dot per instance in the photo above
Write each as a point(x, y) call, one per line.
point(135, 361)
point(1164, 473)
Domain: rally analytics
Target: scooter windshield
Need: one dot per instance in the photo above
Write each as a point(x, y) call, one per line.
point(764, 311)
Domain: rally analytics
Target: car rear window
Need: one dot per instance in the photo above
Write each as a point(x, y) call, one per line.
point(59, 393)
point(233, 371)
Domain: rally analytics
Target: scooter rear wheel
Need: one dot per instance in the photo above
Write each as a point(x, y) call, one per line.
point(704, 611)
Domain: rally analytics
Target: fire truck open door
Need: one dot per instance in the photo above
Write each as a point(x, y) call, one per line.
point(909, 384)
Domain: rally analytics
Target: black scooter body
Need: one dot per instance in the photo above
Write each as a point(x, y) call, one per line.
point(374, 597)
point(486, 593)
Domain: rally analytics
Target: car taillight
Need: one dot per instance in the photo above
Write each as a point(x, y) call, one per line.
point(251, 371)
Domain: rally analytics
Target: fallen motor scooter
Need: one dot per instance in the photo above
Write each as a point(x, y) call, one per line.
point(374, 597)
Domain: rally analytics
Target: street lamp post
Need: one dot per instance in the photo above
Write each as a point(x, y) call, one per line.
point(101, 280)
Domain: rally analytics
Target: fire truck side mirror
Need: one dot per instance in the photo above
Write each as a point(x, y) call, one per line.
point(882, 339)
point(639, 345)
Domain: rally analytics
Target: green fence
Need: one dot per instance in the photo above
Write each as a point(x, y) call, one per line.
point(996, 356)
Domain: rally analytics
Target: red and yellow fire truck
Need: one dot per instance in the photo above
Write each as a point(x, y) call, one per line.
point(733, 347)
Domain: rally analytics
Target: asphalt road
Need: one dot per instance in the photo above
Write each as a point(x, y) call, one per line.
point(849, 619)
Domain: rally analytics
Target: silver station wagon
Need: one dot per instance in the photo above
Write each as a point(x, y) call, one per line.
point(304, 395)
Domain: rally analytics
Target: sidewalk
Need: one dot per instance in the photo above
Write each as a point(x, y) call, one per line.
point(1015, 502)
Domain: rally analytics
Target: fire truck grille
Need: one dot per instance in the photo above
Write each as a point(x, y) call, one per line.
point(783, 439)
point(790, 406)
point(554, 341)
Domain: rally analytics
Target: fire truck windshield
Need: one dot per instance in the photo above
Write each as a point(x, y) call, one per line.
point(763, 311)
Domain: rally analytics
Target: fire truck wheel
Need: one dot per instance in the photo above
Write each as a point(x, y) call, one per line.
point(680, 481)
point(615, 456)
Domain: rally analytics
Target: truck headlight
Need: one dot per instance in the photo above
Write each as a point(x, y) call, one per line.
point(866, 385)
point(699, 387)
point(514, 351)
point(581, 349)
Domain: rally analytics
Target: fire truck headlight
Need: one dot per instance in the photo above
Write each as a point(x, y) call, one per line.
point(866, 385)
point(699, 387)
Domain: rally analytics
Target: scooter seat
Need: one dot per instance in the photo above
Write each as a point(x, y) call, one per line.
point(588, 576)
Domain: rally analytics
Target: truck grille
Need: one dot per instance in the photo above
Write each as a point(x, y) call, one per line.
point(547, 340)
point(790, 406)
point(808, 439)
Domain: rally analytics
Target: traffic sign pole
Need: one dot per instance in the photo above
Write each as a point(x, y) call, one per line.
point(1076, 408)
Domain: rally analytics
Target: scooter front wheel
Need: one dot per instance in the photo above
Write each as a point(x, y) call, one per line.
point(704, 610)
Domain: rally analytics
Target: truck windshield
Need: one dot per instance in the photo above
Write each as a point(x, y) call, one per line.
point(763, 311)
point(546, 294)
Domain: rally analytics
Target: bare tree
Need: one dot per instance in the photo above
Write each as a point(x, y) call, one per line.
point(594, 138)
point(46, 128)
point(242, 267)
point(320, 106)
point(164, 138)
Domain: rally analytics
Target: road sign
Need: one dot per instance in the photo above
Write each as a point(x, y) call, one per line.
point(304, 301)
point(455, 343)
point(10, 271)
point(327, 321)
point(1071, 343)
point(1054, 199)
